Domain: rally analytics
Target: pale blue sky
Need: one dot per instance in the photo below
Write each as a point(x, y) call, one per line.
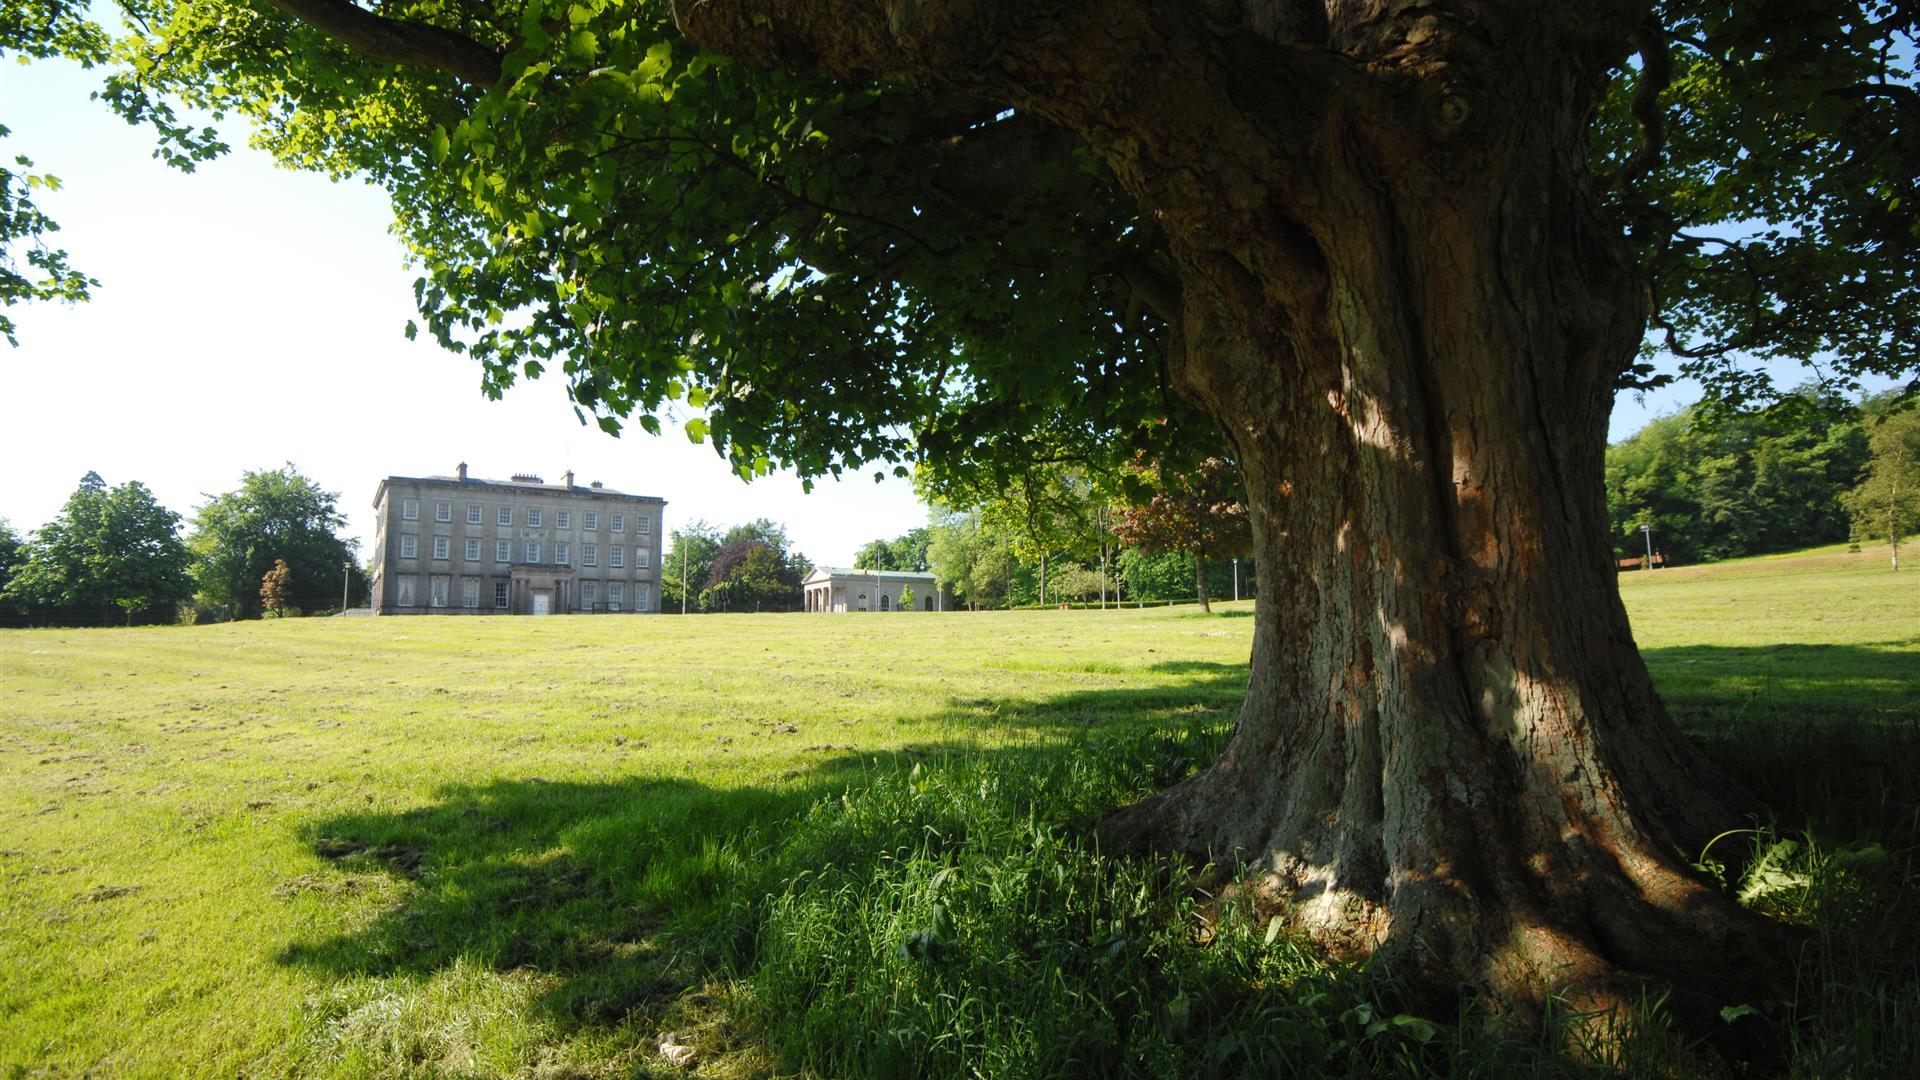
point(249, 315)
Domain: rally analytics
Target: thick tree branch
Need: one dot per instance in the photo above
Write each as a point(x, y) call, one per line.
point(1151, 287)
point(1656, 71)
point(394, 41)
point(1906, 98)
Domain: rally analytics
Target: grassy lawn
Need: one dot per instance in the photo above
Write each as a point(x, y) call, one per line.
point(486, 847)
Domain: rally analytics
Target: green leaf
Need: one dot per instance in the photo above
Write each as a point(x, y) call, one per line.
point(696, 429)
point(1416, 1028)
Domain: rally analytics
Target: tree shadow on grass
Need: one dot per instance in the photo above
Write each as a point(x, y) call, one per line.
point(624, 894)
point(1827, 737)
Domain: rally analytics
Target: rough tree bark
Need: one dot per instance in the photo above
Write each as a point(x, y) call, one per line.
point(1200, 581)
point(1400, 298)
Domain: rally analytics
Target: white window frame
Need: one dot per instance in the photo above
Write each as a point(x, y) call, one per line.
point(473, 549)
point(617, 556)
point(409, 509)
point(503, 551)
point(409, 547)
point(619, 523)
point(563, 519)
point(642, 558)
point(441, 547)
point(470, 593)
point(589, 554)
point(500, 594)
point(533, 551)
point(589, 592)
point(642, 596)
point(503, 516)
point(403, 590)
point(475, 513)
point(443, 511)
point(439, 590)
point(533, 517)
point(644, 525)
point(562, 554)
point(615, 596)
point(592, 521)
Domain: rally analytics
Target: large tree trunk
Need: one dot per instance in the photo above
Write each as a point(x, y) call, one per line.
point(1400, 299)
point(1451, 755)
point(1200, 582)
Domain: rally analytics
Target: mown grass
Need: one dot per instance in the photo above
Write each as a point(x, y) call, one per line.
point(819, 845)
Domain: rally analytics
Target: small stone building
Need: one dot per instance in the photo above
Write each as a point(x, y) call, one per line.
point(840, 588)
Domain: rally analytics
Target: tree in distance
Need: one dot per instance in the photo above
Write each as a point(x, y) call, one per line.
point(276, 589)
point(1400, 255)
point(688, 559)
point(107, 548)
point(1043, 510)
point(973, 561)
point(751, 573)
point(907, 552)
point(906, 598)
point(1886, 502)
point(1200, 513)
point(274, 516)
point(13, 553)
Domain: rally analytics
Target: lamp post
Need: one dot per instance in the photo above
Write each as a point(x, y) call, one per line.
point(1236, 579)
point(1647, 531)
point(346, 578)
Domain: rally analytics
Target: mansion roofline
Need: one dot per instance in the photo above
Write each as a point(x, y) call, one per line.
point(519, 483)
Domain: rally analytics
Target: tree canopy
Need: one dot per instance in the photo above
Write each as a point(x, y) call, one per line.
point(108, 549)
point(274, 515)
point(1200, 513)
point(750, 573)
point(908, 552)
point(835, 271)
point(13, 552)
point(974, 562)
point(749, 567)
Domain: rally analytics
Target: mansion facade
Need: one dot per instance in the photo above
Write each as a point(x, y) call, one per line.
point(460, 545)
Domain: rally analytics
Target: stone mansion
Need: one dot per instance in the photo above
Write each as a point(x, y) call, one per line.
point(461, 545)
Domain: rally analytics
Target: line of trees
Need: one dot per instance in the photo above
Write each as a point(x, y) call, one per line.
point(114, 554)
point(1812, 469)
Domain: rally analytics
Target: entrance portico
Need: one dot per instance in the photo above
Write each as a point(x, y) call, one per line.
point(540, 589)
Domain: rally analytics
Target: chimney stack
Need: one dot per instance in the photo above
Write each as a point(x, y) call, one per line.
point(566, 479)
point(461, 472)
point(596, 484)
